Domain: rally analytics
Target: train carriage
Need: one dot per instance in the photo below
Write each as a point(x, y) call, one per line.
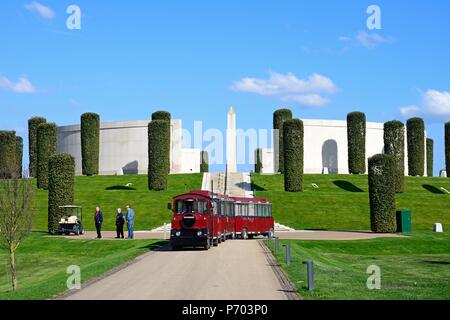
point(205, 219)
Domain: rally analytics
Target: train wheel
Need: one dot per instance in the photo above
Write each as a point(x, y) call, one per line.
point(224, 238)
point(176, 248)
point(207, 246)
point(215, 242)
point(219, 239)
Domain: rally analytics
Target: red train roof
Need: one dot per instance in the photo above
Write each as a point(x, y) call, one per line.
point(207, 194)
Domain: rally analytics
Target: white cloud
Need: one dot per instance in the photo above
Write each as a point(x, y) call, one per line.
point(434, 103)
point(21, 86)
point(44, 12)
point(290, 88)
point(367, 40)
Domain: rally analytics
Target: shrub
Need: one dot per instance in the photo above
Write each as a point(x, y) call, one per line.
point(161, 115)
point(394, 145)
point(416, 146)
point(90, 143)
point(293, 155)
point(46, 147)
point(356, 139)
point(8, 164)
point(204, 161)
point(33, 124)
point(430, 156)
point(382, 193)
point(158, 154)
point(258, 160)
point(61, 180)
point(19, 156)
point(447, 148)
point(279, 117)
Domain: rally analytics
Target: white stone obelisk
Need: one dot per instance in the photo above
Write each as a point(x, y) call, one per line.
point(231, 142)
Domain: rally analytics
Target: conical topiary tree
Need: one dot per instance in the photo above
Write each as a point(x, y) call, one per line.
point(293, 155)
point(158, 155)
point(90, 143)
point(430, 156)
point(33, 124)
point(46, 147)
point(416, 146)
point(61, 181)
point(356, 139)
point(19, 156)
point(382, 193)
point(394, 145)
point(279, 117)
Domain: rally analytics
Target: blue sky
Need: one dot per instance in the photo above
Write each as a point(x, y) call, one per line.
point(197, 58)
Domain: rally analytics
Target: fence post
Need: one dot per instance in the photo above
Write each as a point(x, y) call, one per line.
point(310, 272)
point(288, 254)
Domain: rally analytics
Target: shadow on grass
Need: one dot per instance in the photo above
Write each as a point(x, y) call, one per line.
point(432, 189)
point(444, 263)
point(347, 186)
point(256, 187)
point(123, 188)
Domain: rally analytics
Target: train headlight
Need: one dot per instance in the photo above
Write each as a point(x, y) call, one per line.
point(199, 233)
point(178, 233)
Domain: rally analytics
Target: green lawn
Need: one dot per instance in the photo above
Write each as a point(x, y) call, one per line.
point(342, 201)
point(42, 263)
point(417, 267)
point(110, 193)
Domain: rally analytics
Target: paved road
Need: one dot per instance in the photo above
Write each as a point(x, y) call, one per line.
point(236, 270)
point(288, 235)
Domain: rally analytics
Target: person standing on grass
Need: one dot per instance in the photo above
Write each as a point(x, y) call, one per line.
point(98, 218)
point(130, 222)
point(120, 221)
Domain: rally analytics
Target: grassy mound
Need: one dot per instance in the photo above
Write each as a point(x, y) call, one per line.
point(342, 201)
point(112, 192)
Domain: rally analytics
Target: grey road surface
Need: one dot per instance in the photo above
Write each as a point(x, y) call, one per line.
point(236, 270)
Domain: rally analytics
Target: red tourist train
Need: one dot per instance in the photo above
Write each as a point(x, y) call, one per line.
point(205, 219)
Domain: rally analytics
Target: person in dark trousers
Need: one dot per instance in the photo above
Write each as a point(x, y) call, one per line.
point(120, 221)
point(98, 217)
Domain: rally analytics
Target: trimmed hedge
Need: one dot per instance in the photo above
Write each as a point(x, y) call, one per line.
point(394, 145)
point(161, 115)
point(33, 124)
point(430, 157)
point(293, 155)
point(258, 160)
point(382, 193)
point(46, 147)
point(279, 117)
point(158, 154)
point(204, 161)
point(61, 181)
point(356, 139)
point(416, 146)
point(19, 156)
point(90, 143)
point(8, 164)
point(447, 148)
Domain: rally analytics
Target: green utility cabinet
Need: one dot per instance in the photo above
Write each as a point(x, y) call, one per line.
point(404, 223)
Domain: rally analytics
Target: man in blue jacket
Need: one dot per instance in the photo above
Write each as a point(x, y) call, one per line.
point(130, 222)
point(98, 218)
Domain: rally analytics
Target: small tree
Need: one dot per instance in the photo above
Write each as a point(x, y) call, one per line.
point(416, 147)
point(90, 143)
point(33, 124)
point(394, 145)
point(158, 155)
point(16, 217)
point(19, 156)
point(430, 156)
point(258, 160)
point(447, 148)
point(46, 148)
point(382, 193)
point(204, 161)
point(279, 117)
point(356, 139)
point(293, 155)
point(61, 181)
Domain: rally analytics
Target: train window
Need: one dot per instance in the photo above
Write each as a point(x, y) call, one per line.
point(192, 205)
point(251, 209)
